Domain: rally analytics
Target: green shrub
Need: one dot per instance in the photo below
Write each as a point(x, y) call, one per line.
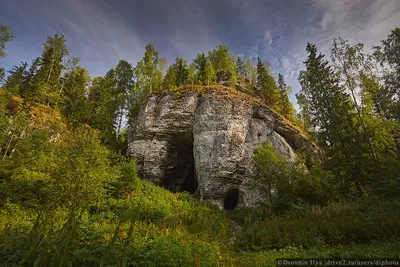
point(336, 224)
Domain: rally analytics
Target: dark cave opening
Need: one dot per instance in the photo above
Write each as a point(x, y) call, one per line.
point(180, 173)
point(231, 200)
point(189, 182)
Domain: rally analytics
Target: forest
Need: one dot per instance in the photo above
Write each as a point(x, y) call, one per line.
point(69, 195)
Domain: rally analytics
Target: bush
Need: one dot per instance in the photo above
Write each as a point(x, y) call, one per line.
point(336, 224)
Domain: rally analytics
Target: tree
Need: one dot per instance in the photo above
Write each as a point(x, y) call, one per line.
point(209, 73)
point(124, 88)
point(270, 168)
point(222, 60)
point(181, 70)
point(332, 115)
point(286, 107)
point(5, 36)
point(170, 78)
point(46, 82)
point(163, 68)
point(200, 62)
point(148, 78)
point(250, 73)
point(389, 57)
point(267, 88)
point(74, 104)
point(348, 62)
point(16, 78)
point(103, 106)
point(191, 78)
point(240, 67)
point(146, 69)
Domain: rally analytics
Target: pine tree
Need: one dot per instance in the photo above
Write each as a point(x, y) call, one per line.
point(332, 115)
point(200, 62)
point(267, 88)
point(46, 82)
point(389, 57)
point(5, 36)
point(191, 78)
point(181, 70)
point(286, 107)
point(74, 104)
point(240, 68)
point(348, 62)
point(16, 78)
point(170, 80)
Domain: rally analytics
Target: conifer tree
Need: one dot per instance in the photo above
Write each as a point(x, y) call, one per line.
point(389, 57)
point(267, 88)
point(170, 80)
point(240, 68)
point(200, 62)
point(46, 82)
point(286, 107)
point(334, 119)
point(191, 79)
point(16, 78)
point(181, 70)
point(5, 36)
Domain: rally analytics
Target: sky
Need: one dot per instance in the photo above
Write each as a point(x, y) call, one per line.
point(101, 32)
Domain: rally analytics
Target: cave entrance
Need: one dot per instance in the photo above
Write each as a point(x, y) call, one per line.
point(231, 200)
point(189, 181)
point(180, 174)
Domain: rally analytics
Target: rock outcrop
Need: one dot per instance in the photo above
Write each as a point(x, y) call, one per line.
point(204, 141)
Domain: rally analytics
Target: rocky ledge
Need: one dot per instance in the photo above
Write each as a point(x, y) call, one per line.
point(203, 141)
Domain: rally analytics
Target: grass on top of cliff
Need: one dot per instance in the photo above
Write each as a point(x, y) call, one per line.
point(222, 92)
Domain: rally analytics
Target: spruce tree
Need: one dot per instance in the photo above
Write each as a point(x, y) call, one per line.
point(285, 106)
point(240, 68)
point(332, 115)
point(267, 89)
point(46, 83)
point(181, 71)
point(5, 36)
point(200, 62)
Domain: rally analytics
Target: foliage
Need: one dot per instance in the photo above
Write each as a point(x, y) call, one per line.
point(336, 224)
point(5, 36)
point(267, 88)
point(222, 60)
point(69, 196)
point(285, 107)
point(270, 169)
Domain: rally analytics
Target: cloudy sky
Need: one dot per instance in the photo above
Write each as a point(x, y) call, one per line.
point(101, 32)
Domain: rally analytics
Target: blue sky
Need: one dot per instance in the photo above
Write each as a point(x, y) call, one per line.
point(102, 32)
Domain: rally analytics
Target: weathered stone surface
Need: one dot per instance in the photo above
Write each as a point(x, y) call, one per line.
point(205, 144)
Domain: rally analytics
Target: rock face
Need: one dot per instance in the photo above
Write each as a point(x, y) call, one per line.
point(202, 142)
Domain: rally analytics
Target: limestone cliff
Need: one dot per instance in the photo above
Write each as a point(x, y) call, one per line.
point(204, 141)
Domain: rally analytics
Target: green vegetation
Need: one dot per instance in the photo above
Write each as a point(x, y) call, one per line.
point(69, 196)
